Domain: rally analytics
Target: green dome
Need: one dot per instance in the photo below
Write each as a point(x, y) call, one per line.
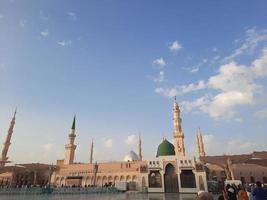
point(165, 148)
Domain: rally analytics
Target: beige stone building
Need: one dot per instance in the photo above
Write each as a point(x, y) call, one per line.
point(248, 168)
point(236, 167)
point(170, 171)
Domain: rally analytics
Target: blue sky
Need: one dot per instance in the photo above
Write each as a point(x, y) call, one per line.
point(118, 64)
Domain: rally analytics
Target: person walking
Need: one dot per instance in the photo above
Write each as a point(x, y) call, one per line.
point(231, 192)
point(259, 192)
point(242, 194)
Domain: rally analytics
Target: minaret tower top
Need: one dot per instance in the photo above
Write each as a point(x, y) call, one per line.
point(7, 142)
point(91, 152)
point(200, 144)
point(70, 147)
point(177, 130)
point(140, 157)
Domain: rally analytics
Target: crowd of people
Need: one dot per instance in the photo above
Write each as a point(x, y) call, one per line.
point(233, 192)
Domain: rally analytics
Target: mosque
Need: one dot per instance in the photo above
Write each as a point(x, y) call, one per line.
point(170, 171)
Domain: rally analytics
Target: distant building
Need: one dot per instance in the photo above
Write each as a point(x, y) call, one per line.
point(248, 168)
point(21, 174)
point(26, 174)
point(236, 167)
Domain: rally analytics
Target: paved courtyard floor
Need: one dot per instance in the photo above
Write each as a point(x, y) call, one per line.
point(125, 196)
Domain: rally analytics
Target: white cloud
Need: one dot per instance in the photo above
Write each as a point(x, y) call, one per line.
point(108, 143)
point(159, 62)
point(131, 139)
point(195, 68)
point(175, 46)
point(233, 77)
point(214, 49)
point(223, 104)
point(235, 85)
point(253, 38)
point(64, 43)
point(174, 91)
point(168, 92)
point(259, 66)
point(44, 33)
point(193, 87)
point(199, 103)
point(72, 15)
point(160, 77)
point(214, 59)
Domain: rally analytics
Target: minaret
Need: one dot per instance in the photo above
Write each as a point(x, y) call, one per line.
point(200, 144)
point(70, 148)
point(7, 143)
point(140, 157)
point(178, 134)
point(91, 151)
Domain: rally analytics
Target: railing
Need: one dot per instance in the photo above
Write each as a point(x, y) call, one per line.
point(63, 190)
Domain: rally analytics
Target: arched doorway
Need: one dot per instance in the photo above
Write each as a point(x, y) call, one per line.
point(116, 179)
point(170, 179)
point(122, 178)
point(104, 181)
point(128, 178)
point(188, 179)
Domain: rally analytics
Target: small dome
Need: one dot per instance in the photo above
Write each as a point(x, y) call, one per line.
point(165, 148)
point(131, 156)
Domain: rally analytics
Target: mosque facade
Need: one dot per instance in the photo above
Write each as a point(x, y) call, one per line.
point(170, 171)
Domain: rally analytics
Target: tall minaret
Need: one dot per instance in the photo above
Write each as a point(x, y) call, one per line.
point(178, 134)
point(200, 144)
point(91, 151)
point(140, 157)
point(7, 143)
point(70, 148)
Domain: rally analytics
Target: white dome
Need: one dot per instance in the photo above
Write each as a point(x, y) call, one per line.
point(131, 156)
